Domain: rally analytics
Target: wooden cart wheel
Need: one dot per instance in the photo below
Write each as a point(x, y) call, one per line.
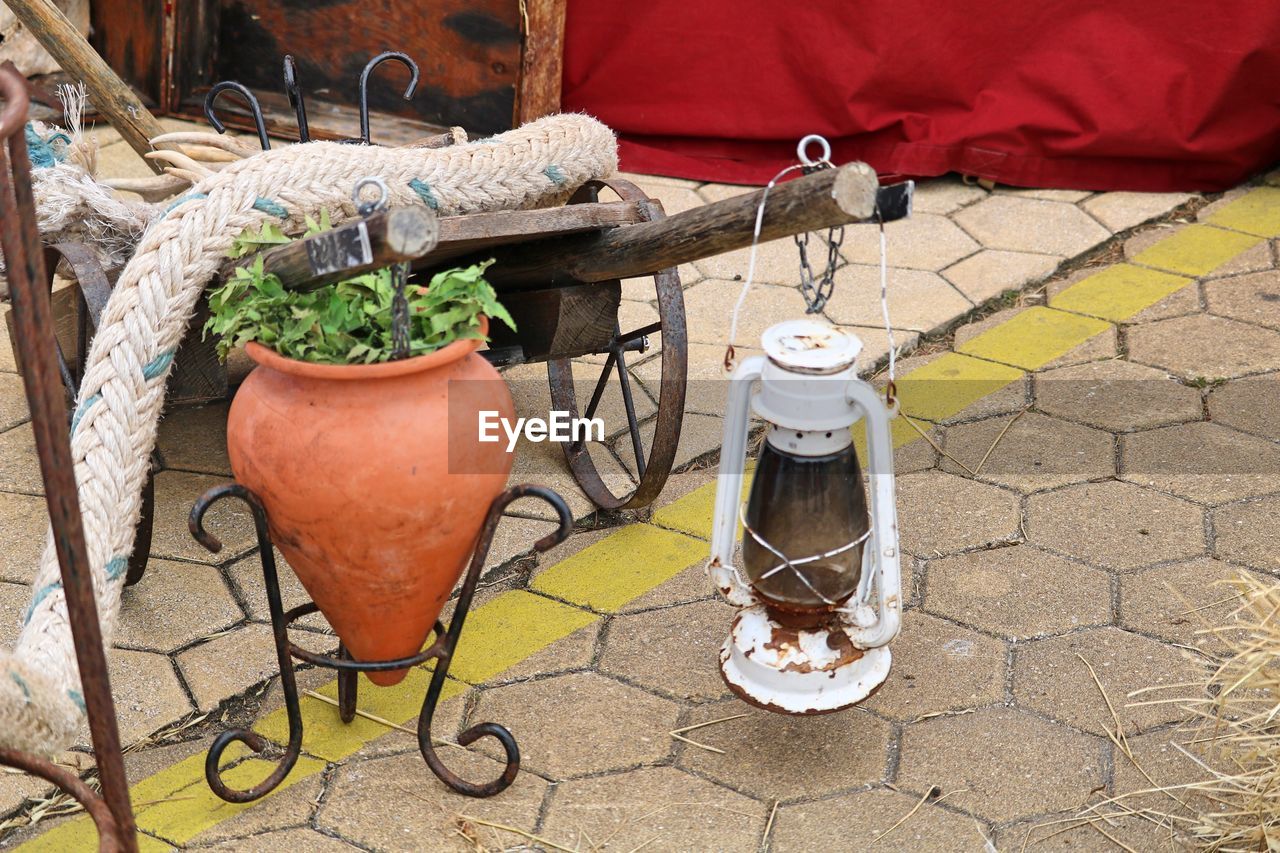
point(654, 457)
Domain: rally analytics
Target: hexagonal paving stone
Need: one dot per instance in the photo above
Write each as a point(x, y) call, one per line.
point(229, 520)
point(869, 820)
point(1050, 677)
point(1253, 298)
point(1030, 452)
point(992, 272)
point(231, 663)
point(983, 762)
point(1162, 763)
point(1182, 601)
point(14, 599)
point(1248, 405)
point(19, 465)
point(941, 513)
point(922, 242)
point(1204, 346)
point(776, 263)
point(774, 756)
point(23, 522)
point(660, 807)
point(945, 194)
point(290, 808)
point(13, 401)
point(939, 666)
point(368, 803)
point(1249, 533)
point(1116, 395)
point(1070, 833)
point(302, 840)
point(194, 438)
point(1201, 461)
point(1115, 525)
point(146, 692)
point(1121, 210)
point(613, 725)
point(709, 306)
point(1018, 592)
point(1031, 225)
point(675, 650)
point(174, 604)
point(918, 300)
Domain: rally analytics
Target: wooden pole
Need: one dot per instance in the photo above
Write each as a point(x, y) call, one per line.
point(397, 235)
point(110, 95)
point(824, 199)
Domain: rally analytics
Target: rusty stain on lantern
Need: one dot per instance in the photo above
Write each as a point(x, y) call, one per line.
point(819, 586)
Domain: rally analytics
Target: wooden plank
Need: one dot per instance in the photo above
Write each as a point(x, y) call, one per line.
point(541, 60)
point(111, 96)
point(461, 235)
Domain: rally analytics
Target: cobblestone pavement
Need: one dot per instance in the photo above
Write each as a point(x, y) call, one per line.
point(1097, 457)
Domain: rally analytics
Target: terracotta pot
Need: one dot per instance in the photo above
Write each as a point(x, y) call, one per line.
point(374, 501)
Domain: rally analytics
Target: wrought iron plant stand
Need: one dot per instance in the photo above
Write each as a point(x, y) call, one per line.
point(441, 651)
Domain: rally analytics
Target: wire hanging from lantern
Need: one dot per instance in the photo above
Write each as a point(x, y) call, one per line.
point(817, 295)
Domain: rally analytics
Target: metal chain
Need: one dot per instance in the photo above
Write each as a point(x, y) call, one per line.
point(816, 293)
point(399, 272)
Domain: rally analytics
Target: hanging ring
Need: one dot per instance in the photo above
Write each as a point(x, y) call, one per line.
point(366, 208)
point(802, 152)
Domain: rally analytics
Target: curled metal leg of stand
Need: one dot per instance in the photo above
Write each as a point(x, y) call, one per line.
point(110, 838)
point(480, 730)
point(279, 627)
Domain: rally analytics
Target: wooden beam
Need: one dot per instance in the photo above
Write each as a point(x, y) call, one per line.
point(393, 236)
point(453, 236)
point(824, 199)
point(110, 95)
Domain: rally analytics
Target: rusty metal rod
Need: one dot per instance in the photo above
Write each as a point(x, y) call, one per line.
point(33, 331)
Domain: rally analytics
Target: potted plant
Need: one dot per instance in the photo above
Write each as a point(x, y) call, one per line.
point(373, 499)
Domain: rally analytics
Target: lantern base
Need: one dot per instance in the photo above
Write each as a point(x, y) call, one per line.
point(801, 672)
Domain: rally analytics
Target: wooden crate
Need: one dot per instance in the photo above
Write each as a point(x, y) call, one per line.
point(486, 65)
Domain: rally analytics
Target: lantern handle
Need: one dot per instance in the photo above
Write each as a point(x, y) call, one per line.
point(883, 544)
point(733, 457)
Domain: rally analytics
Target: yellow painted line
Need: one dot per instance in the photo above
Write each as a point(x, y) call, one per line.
point(1196, 250)
point(621, 567)
point(194, 809)
point(693, 513)
point(1256, 212)
point(509, 629)
point(949, 384)
point(1119, 292)
point(326, 736)
point(1034, 338)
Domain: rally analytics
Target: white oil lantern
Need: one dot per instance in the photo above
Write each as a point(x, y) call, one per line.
point(821, 597)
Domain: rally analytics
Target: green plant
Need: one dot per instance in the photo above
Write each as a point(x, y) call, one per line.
point(348, 322)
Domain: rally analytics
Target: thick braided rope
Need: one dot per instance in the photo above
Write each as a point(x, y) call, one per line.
point(115, 420)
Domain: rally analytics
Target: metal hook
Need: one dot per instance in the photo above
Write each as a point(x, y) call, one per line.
point(364, 85)
point(232, 85)
point(295, 98)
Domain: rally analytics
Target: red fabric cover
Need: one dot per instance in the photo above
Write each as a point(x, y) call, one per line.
point(1091, 94)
